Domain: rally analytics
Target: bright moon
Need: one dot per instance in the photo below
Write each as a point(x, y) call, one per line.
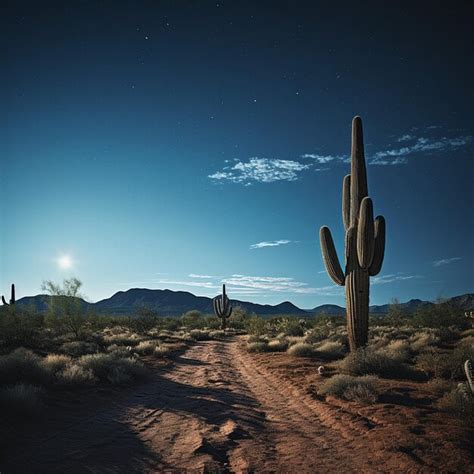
point(65, 262)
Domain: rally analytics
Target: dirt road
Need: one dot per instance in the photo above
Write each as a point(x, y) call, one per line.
point(216, 409)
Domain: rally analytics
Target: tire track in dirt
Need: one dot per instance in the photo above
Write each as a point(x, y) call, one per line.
point(217, 408)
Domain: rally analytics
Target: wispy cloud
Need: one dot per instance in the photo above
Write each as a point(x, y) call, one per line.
point(199, 284)
point(194, 275)
point(384, 279)
point(405, 138)
point(272, 243)
point(279, 285)
point(260, 170)
point(445, 261)
point(322, 159)
point(396, 156)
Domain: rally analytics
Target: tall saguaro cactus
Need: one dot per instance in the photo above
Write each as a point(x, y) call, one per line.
point(12, 297)
point(364, 243)
point(222, 308)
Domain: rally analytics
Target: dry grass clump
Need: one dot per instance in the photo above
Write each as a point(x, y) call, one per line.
point(20, 400)
point(445, 364)
point(23, 366)
point(79, 348)
point(359, 389)
point(423, 339)
point(55, 363)
point(292, 340)
point(76, 375)
point(257, 338)
point(331, 349)
point(112, 368)
point(200, 335)
point(301, 349)
point(146, 347)
point(459, 402)
point(366, 361)
point(277, 345)
point(257, 347)
point(439, 386)
point(123, 339)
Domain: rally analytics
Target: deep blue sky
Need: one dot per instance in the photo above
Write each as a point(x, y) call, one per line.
point(154, 143)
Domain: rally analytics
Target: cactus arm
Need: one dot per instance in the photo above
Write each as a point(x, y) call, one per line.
point(358, 172)
point(4, 301)
point(346, 201)
point(331, 261)
point(468, 370)
point(365, 233)
point(379, 246)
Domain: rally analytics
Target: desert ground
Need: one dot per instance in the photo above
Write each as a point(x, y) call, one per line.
point(215, 407)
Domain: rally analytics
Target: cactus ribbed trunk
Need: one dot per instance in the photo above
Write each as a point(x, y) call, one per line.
point(365, 243)
point(357, 296)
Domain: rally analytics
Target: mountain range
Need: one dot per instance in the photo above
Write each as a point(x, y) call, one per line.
point(175, 303)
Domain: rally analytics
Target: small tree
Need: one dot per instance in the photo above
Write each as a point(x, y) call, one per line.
point(64, 305)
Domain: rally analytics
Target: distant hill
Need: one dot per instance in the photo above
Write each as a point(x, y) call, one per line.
point(175, 303)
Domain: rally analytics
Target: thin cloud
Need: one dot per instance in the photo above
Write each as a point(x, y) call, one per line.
point(279, 285)
point(273, 243)
point(199, 284)
point(384, 279)
point(396, 156)
point(260, 170)
point(323, 159)
point(194, 275)
point(445, 261)
point(405, 138)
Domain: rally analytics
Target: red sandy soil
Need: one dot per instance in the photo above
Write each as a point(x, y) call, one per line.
point(216, 408)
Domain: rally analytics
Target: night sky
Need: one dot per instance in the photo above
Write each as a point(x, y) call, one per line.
point(181, 144)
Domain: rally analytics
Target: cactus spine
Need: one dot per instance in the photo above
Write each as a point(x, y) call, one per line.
point(364, 243)
point(12, 298)
point(222, 308)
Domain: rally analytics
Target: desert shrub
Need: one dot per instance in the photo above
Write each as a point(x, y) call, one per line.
point(123, 339)
point(422, 340)
point(318, 334)
point(65, 310)
point(76, 375)
point(293, 328)
point(369, 361)
point(439, 386)
point(192, 319)
point(112, 367)
point(331, 349)
point(218, 333)
point(301, 349)
point(163, 350)
point(445, 364)
point(459, 402)
point(256, 338)
point(145, 347)
point(255, 325)
point(79, 348)
point(257, 347)
point(55, 363)
point(398, 350)
point(277, 345)
point(441, 315)
point(22, 366)
point(360, 389)
point(20, 400)
point(19, 327)
point(200, 335)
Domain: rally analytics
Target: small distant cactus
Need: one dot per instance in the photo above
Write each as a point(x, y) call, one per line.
point(222, 308)
point(12, 298)
point(365, 243)
point(469, 376)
